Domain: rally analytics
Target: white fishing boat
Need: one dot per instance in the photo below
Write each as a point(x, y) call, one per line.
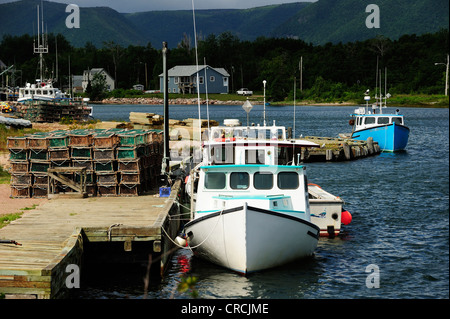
point(43, 93)
point(43, 89)
point(252, 217)
point(40, 91)
point(250, 207)
point(268, 145)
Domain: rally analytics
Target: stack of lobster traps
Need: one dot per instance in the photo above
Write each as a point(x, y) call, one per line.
point(49, 112)
point(118, 162)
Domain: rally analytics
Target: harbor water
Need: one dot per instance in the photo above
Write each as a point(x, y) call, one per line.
point(396, 247)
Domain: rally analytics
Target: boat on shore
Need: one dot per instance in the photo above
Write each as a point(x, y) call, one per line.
point(40, 91)
point(41, 101)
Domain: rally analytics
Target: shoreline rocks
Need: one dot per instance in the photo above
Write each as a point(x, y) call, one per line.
point(159, 101)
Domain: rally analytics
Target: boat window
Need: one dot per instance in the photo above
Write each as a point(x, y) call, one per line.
point(223, 154)
point(397, 120)
point(215, 180)
point(383, 120)
point(287, 180)
point(239, 180)
point(45, 92)
point(38, 92)
point(369, 120)
point(254, 156)
point(263, 180)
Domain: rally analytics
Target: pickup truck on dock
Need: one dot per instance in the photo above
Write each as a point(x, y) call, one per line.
point(244, 92)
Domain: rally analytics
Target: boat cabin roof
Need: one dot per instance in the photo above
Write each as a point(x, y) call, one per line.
point(250, 167)
point(364, 111)
point(248, 132)
point(245, 135)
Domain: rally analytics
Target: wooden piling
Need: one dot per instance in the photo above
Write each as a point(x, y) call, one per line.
point(338, 149)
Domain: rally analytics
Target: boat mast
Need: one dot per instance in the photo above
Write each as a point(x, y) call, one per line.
point(264, 83)
point(41, 47)
point(376, 82)
point(198, 75)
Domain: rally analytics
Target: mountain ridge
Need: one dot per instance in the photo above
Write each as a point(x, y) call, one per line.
point(313, 22)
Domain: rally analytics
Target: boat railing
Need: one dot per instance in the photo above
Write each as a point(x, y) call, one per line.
point(233, 133)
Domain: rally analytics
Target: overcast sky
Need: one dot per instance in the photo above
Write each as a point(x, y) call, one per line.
point(151, 5)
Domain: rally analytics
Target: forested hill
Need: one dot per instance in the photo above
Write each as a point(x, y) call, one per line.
point(101, 24)
point(317, 23)
point(246, 24)
point(345, 20)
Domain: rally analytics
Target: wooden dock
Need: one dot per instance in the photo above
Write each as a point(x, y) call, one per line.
point(339, 149)
point(51, 237)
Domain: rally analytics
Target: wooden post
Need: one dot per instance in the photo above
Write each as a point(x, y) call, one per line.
point(370, 144)
point(328, 155)
point(346, 151)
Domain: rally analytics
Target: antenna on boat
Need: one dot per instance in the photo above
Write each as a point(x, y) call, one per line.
point(56, 45)
point(264, 83)
point(293, 131)
point(295, 85)
point(206, 88)
point(41, 47)
point(198, 76)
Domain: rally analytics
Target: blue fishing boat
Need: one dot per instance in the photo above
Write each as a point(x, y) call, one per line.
point(387, 129)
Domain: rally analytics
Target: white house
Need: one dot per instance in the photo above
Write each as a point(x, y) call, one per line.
point(89, 75)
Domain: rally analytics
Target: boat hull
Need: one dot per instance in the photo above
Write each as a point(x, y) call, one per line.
point(327, 216)
point(248, 239)
point(390, 138)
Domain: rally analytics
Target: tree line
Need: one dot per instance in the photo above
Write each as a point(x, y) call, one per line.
point(327, 71)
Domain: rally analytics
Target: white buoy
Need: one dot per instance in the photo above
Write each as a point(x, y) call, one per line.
point(181, 241)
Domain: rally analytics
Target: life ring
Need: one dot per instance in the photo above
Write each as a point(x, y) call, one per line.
point(223, 139)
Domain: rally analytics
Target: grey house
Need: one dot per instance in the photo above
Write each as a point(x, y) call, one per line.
point(183, 79)
point(88, 75)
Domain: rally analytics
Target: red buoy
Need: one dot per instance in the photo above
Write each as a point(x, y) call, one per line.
point(346, 217)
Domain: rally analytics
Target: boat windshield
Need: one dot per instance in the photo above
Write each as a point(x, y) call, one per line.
point(241, 180)
point(397, 120)
point(287, 180)
point(255, 156)
point(383, 120)
point(369, 120)
point(263, 180)
point(215, 180)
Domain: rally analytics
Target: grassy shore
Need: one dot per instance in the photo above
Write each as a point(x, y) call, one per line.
point(401, 100)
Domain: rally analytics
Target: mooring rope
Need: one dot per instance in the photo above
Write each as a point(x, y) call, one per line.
point(207, 237)
point(109, 230)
